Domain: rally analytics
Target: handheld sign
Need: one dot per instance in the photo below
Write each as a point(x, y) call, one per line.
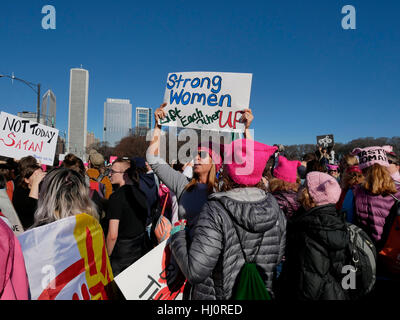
point(207, 100)
point(326, 140)
point(20, 138)
point(149, 278)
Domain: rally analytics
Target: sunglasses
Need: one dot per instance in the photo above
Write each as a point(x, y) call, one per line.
point(113, 171)
point(203, 154)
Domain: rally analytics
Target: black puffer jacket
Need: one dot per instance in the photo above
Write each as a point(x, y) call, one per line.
point(215, 259)
point(316, 252)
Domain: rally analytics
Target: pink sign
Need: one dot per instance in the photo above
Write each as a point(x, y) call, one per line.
point(112, 159)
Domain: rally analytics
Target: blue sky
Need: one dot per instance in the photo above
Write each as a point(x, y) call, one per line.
point(310, 76)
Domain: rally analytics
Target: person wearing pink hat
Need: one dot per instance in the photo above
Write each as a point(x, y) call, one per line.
point(317, 244)
point(192, 194)
point(285, 184)
point(241, 223)
point(372, 198)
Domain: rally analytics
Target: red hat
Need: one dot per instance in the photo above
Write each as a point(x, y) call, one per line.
point(286, 170)
point(245, 160)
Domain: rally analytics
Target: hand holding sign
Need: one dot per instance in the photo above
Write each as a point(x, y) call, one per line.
point(247, 118)
point(160, 114)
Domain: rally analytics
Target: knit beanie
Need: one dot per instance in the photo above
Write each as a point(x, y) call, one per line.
point(286, 170)
point(371, 155)
point(323, 188)
point(245, 160)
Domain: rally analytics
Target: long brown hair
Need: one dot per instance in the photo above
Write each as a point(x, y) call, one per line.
point(378, 181)
point(276, 185)
point(228, 183)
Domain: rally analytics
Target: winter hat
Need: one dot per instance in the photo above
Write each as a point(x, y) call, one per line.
point(214, 150)
point(245, 160)
point(371, 155)
point(286, 170)
point(323, 188)
point(332, 167)
point(96, 159)
point(139, 162)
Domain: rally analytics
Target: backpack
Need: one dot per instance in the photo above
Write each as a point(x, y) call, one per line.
point(249, 283)
point(363, 258)
point(390, 253)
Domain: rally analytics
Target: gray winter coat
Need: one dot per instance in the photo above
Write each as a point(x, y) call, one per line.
point(215, 251)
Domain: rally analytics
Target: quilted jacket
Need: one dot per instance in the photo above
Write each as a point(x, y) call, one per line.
point(372, 211)
point(214, 259)
point(287, 202)
point(317, 242)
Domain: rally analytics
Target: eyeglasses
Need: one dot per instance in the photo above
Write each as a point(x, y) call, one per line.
point(203, 154)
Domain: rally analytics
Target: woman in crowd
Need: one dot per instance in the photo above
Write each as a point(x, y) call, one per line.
point(242, 223)
point(63, 193)
point(317, 240)
point(285, 185)
point(373, 199)
point(26, 193)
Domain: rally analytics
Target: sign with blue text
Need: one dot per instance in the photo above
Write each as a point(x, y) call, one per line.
point(207, 100)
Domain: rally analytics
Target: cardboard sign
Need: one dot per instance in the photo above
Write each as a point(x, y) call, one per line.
point(326, 140)
point(67, 260)
point(20, 138)
point(148, 278)
point(207, 100)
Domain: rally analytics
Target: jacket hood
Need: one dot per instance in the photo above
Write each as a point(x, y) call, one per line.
point(251, 208)
point(323, 225)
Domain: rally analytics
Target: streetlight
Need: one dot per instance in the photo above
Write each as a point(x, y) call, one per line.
point(30, 85)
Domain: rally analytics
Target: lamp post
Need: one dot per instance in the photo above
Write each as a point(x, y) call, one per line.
point(31, 85)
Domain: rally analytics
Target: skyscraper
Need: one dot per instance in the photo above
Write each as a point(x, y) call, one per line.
point(117, 120)
point(143, 120)
point(78, 109)
point(49, 100)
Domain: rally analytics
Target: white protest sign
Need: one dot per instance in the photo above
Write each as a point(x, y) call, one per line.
point(147, 278)
point(20, 138)
point(207, 100)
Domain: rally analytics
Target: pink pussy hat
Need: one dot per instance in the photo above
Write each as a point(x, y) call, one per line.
point(369, 156)
point(214, 150)
point(286, 170)
point(245, 160)
point(323, 188)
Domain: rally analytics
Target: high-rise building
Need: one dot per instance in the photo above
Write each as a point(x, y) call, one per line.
point(49, 103)
point(117, 120)
point(91, 139)
point(143, 120)
point(78, 109)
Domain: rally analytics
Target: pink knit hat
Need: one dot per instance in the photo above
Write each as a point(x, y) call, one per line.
point(214, 150)
point(245, 160)
point(323, 188)
point(286, 170)
point(369, 156)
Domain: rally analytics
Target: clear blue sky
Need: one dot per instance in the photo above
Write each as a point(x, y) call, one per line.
point(310, 77)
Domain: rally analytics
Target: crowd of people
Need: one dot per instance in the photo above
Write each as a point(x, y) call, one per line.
point(290, 218)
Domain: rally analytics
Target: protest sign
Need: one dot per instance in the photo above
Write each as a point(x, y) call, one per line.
point(112, 159)
point(207, 100)
point(149, 277)
point(20, 138)
point(368, 156)
point(67, 260)
point(326, 141)
point(7, 209)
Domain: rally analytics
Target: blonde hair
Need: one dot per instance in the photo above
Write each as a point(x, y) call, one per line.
point(212, 182)
point(378, 181)
point(63, 193)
